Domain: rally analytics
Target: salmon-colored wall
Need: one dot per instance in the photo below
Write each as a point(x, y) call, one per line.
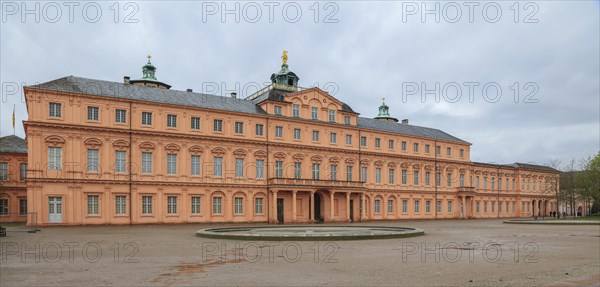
point(75, 134)
point(14, 189)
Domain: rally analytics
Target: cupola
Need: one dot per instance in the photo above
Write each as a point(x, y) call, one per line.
point(149, 77)
point(384, 113)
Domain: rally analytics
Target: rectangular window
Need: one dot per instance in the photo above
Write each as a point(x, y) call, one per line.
point(120, 161)
point(416, 147)
point(120, 116)
point(217, 205)
point(195, 123)
point(348, 139)
point(4, 171)
point(377, 142)
point(54, 158)
point(258, 205)
point(55, 110)
point(461, 152)
point(506, 183)
point(218, 125)
point(363, 141)
point(260, 168)
point(239, 127)
point(332, 138)
point(332, 116)
point(218, 166)
point(172, 204)
point(238, 205)
point(259, 129)
point(196, 205)
point(120, 204)
point(334, 172)
point(147, 118)
point(404, 206)
point(390, 144)
point(314, 113)
point(239, 167)
point(499, 183)
point(500, 207)
point(316, 170)
point(390, 207)
point(296, 110)
point(448, 151)
point(349, 173)
point(477, 207)
point(92, 160)
point(485, 206)
point(449, 179)
point(493, 183)
point(195, 168)
point(449, 206)
point(279, 169)
point(3, 206)
point(22, 206)
point(377, 206)
point(416, 206)
point(391, 175)
point(347, 120)
point(438, 178)
point(363, 174)
point(404, 179)
point(438, 150)
point(93, 202)
point(477, 182)
point(146, 204)
point(427, 178)
point(377, 175)
point(315, 136)
point(439, 206)
point(426, 148)
point(493, 206)
point(93, 113)
point(403, 146)
point(171, 164)
point(277, 110)
point(416, 177)
point(172, 121)
point(23, 171)
point(462, 180)
point(146, 162)
point(278, 132)
point(297, 170)
point(297, 133)
point(428, 206)
point(484, 182)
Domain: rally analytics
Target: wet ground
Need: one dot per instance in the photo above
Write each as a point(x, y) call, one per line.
point(451, 253)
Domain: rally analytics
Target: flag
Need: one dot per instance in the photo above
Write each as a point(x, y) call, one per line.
point(13, 118)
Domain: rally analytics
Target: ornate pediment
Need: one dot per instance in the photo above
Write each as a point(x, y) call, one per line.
point(260, 154)
point(334, 160)
point(349, 161)
point(239, 152)
point(219, 151)
point(378, 163)
point(54, 141)
point(279, 156)
point(172, 148)
point(147, 146)
point(120, 144)
point(92, 143)
point(196, 149)
point(316, 158)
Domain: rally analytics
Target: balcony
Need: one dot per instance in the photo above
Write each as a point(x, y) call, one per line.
point(466, 190)
point(312, 183)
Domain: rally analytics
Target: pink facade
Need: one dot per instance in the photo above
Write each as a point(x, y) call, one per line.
point(138, 152)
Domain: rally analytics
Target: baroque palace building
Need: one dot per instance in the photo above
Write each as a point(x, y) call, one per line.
point(137, 152)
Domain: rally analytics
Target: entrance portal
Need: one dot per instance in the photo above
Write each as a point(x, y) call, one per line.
point(280, 210)
point(317, 211)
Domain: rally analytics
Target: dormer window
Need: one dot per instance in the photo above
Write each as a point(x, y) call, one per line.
point(277, 110)
point(347, 120)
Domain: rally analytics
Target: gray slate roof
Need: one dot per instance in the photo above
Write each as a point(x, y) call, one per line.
point(117, 90)
point(520, 165)
point(13, 144)
point(72, 84)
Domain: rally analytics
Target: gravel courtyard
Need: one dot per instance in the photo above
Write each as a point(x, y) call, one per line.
point(451, 253)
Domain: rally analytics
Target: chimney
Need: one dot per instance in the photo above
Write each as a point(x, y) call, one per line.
point(126, 79)
point(405, 121)
point(189, 90)
point(234, 95)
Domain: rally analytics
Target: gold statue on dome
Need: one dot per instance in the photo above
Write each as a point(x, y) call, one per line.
point(284, 57)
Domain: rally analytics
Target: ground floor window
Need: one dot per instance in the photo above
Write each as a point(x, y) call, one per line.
point(449, 206)
point(195, 204)
point(146, 204)
point(171, 204)
point(416, 206)
point(377, 206)
point(258, 205)
point(238, 205)
point(93, 204)
point(3, 206)
point(493, 205)
point(404, 206)
point(217, 201)
point(500, 207)
point(120, 204)
point(485, 206)
point(22, 206)
point(477, 207)
point(390, 206)
point(428, 206)
point(439, 206)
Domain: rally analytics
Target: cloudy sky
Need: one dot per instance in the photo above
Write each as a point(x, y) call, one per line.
point(519, 81)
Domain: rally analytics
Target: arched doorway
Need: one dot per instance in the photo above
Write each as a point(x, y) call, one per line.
point(317, 211)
